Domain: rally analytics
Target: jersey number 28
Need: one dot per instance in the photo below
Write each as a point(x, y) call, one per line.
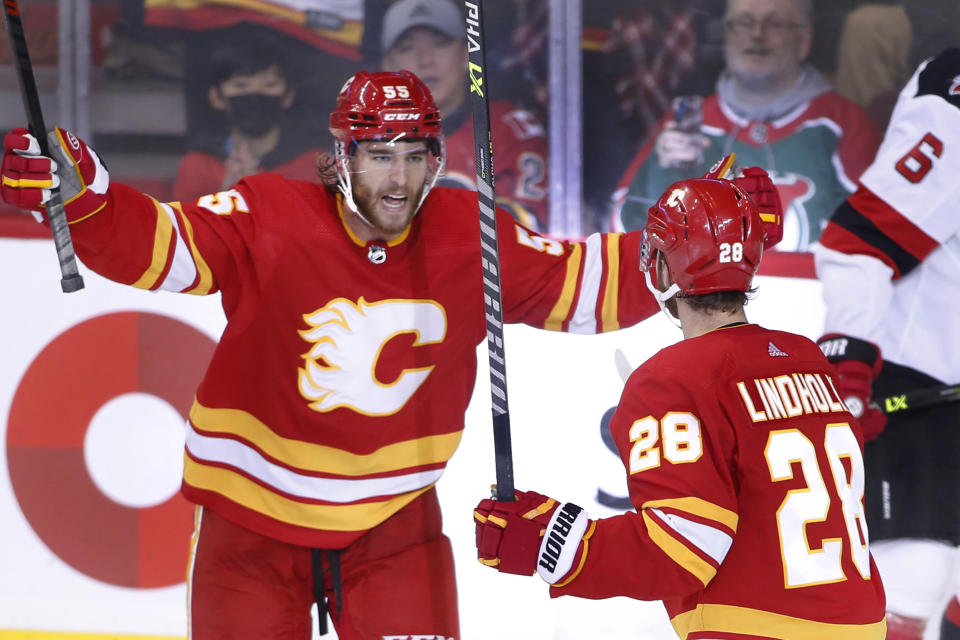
point(803, 566)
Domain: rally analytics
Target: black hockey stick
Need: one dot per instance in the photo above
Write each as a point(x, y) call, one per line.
point(490, 254)
point(71, 279)
point(918, 398)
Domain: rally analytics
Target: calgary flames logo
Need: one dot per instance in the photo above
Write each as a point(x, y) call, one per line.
point(348, 338)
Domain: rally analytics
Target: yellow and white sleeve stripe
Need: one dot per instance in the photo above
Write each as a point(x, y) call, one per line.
point(597, 282)
point(188, 272)
point(676, 535)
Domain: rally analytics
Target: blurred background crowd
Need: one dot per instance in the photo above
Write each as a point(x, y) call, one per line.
point(185, 97)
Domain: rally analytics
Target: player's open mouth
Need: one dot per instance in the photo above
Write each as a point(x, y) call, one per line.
point(394, 202)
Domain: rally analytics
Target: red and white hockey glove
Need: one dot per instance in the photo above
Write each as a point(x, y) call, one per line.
point(758, 185)
point(857, 363)
point(28, 177)
point(533, 534)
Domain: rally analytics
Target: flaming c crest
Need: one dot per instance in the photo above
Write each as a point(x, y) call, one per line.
point(348, 337)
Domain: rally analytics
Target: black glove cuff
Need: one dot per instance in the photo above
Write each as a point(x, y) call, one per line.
point(837, 347)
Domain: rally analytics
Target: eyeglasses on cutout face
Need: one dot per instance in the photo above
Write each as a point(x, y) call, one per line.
point(745, 25)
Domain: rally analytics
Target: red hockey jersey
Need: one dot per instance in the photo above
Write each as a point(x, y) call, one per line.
point(519, 162)
point(746, 472)
point(338, 390)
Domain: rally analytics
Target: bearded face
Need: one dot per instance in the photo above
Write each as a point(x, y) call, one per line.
point(388, 180)
point(766, 42)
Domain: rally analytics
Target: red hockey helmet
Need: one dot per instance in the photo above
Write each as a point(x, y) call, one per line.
point(710, 234)
point(385, 106)
point(388, 106)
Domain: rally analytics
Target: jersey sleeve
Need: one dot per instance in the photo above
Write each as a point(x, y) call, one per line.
point(195, 248)
point(682, 487)
point(587, 287)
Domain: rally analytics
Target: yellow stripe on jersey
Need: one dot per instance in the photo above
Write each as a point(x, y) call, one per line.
point(608, 315)
point(191, 561)
point(308, 456)
point(253, 496)
point(205, 281)
point(89, 215)
point(697, 507)
point(561, 309)
point(753, 622)
point(161, 249)
point(679, 552)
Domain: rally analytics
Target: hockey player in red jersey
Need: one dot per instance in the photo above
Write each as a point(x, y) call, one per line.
point(338, 390)
point(744, 466)
point(890, 268)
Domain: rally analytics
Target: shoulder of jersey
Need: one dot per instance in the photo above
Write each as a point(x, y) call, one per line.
point(452, 206)
point(711, 353)
point(272, 192)
point(941, 77)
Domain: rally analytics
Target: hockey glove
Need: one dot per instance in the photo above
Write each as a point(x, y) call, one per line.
point(758, 185)
point(756, 182)
point(29, 178)
point(857, 363)
point(533, 534)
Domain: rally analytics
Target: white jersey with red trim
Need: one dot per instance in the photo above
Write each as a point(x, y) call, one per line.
point(890, 257)
point(338, 390)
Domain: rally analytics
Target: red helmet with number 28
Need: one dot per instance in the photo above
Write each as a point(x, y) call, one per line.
point(387, 106)
point(710, 234)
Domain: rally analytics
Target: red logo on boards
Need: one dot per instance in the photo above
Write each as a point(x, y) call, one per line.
point(70, 379)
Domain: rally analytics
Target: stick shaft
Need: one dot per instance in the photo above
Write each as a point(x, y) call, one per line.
point(483, 147)
point(70, 277)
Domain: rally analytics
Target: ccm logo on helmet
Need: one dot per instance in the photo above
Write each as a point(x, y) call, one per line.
point(401, 116)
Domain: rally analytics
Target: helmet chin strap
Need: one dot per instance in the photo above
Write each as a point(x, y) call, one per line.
point(663, 296)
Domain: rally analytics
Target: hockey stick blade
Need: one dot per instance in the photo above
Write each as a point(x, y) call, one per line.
point(70, 280)
point(919, 398)
point(612, 501)
point(489, 248)
point(624, 369)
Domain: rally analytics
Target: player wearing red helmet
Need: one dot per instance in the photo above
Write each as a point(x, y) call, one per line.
point(743, 464)
point(338, 390)
point(380, 122)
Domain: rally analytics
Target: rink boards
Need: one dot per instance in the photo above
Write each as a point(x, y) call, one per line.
point(93, 395)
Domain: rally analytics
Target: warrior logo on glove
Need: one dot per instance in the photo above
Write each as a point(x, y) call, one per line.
point(534, 533)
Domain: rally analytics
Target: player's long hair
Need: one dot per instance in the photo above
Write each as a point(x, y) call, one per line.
point(327, 170)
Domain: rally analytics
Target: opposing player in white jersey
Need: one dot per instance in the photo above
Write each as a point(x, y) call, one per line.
point(890, 267)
